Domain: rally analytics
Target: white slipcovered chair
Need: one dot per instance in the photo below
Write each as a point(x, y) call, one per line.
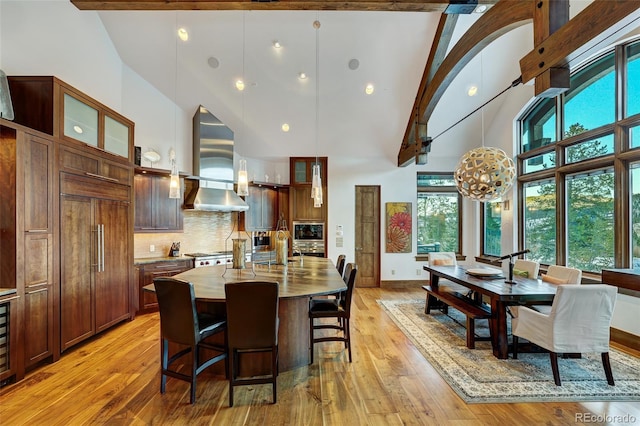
point(444, 258)
point(529, 266)
point(558, 275)
point(578, 322)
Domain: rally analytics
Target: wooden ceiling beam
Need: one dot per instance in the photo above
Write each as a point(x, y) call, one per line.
point(362, 5)
point(441, 40)
point(598, 25)
point(500, 19)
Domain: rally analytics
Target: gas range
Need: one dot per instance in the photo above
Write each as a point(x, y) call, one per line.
point(212, 259)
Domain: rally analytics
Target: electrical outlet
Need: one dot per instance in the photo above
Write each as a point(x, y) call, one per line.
point(152, 248)
point(393, 272)
point(418, 272)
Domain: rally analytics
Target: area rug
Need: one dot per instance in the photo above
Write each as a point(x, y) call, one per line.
point(479, 377)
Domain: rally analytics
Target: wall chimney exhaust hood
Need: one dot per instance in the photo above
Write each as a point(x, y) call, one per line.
point(212, 187)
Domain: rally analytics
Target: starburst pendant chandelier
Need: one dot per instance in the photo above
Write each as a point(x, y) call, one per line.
point(484, 174)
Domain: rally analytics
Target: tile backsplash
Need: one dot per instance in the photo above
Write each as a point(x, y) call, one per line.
point(204, 232)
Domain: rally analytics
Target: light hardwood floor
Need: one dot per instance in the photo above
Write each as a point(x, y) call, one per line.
point(114, 379)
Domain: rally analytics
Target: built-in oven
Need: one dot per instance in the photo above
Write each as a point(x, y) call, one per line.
point(308, 238)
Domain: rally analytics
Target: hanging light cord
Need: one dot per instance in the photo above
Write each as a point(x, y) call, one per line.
point(514, 83)
point(317, 27)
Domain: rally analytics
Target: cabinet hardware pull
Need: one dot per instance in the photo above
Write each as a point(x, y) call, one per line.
point(169, 265)
point(97, 176)
point(99, 248)
point(37, 284)
point(8, 299)
point(102, 226)
point(37, 291)
point(37, 231)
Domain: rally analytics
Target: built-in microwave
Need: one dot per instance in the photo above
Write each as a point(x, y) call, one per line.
point(308, 232)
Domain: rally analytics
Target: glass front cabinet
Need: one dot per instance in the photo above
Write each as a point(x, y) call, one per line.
point(69, 114)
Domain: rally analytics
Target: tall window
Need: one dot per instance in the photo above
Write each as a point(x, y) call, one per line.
point(590, 103)
point(439, 218)
point(590, 220)
point(540, 221)
point(633, 79)
point(567, 185)
point(492, 219)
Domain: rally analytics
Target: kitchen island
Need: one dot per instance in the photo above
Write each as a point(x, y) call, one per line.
point(298, 281)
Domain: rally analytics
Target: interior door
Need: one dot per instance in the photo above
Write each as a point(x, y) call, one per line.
point(367, 235)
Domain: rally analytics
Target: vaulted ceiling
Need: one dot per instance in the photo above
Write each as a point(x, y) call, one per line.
point(390, 47)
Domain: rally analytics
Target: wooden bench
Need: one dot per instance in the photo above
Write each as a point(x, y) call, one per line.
point(468, 306)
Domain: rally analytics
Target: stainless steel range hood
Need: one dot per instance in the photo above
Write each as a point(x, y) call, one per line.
point(212, 196)
point(212, 187)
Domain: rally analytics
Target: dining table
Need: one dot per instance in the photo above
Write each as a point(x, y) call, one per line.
point(302, 278)
point(500, 293)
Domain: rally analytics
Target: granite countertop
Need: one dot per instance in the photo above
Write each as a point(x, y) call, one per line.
point(7, 291)
point(145, 260)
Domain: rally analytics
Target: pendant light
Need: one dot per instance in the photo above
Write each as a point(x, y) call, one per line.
point(484, 174)
point(174, 178)
point(316, 179)
point(243, 179)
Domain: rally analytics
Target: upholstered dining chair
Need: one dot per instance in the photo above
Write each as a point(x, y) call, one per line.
point(180, 323)
point(443, 258)
point(558, 275)
point(526, 268)
point(252, 327)
point(339, 308)
point(577, 322)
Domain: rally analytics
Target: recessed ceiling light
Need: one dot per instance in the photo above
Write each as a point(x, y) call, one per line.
point(213, 62)
point(78, 129)
point(285, 127)
point(276, 44)
point(473, 90)
point(183, 34)
point(354, 64)
point(240, 85)
point(481, 8)
point(369, 89)
point(302, 75)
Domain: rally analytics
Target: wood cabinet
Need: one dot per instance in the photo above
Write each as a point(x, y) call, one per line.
point(96, 253)
point(27, 262)
point(300, 201)
point(154, 210)
point(263, 208)
point(67, 113)
point(301, 169)
point(148, 271)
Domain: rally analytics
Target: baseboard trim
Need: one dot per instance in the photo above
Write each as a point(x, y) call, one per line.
point(625, 338)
